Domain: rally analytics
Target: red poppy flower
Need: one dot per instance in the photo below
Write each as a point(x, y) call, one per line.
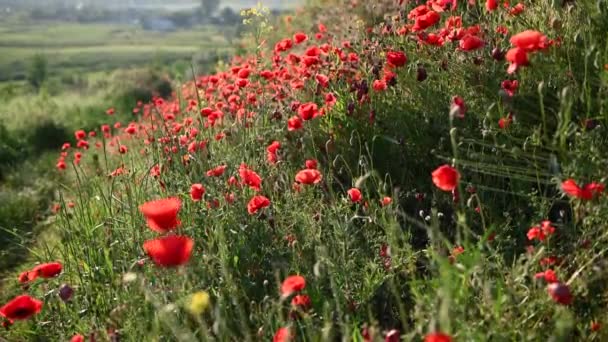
point(541, 232)
point(504, 123)
point(446, 178)
point(77, 338)
point(437, 337)
point(385, 201)
point(560, 293)
point(161, 215)
point(595, 326)
point(491, 5)
point(510, 87)
point(170, 251)
point(458, 108)
point(355, 195)
point(250, 178)
point(273, 147)
point(587, 192)
point(471, 42)
point(48, 270)
point(379, 85)
point(549, 276)
point(309, 176)
point(21, 308)
point(216, 171)
point(256, 203)
point(282, 335)
point(517, 57)
point(80, 134)
point(300, 37)
point(396, 58)
point(196, 192)
point(311, 164)
point(294, 123)
point(529, 40)
point(301, 301)
point(308, 111)
point(292, 284)
point(322, 80)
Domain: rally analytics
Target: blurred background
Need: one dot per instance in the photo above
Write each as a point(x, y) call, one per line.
point(64, 63)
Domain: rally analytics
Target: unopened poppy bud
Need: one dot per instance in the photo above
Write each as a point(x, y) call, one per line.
point(421, 74)
point(65, 292)
point(498, 54)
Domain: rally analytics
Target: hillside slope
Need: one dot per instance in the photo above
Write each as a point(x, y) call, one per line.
point(368, 172)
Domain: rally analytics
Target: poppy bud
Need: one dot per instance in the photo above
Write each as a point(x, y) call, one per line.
point(560, 293)
point(498, 54)
point(65, 292)
point(421, 74)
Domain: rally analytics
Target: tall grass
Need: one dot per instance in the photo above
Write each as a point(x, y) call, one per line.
point(461, 263)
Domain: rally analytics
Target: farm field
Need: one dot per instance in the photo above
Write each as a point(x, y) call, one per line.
point(98, 47)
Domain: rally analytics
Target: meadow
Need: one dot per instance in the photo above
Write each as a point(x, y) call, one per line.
point(360, 171)
point(83, 48)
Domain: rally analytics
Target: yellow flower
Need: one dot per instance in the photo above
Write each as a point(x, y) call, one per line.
point(199, 303)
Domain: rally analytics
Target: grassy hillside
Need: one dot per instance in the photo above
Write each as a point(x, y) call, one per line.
point(365, 171)
point(73, 48)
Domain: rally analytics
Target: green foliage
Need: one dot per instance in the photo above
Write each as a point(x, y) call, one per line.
point(37, 71)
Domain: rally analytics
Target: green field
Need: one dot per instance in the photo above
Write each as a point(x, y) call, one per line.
point(95, 47)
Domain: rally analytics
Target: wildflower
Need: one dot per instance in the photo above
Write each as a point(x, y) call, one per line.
point(386, 201)
point(161, 215)
point(256, 203)
point(300, 37)
point(517, 57)
point(505, 122)
point(470, 43)
point(80, 134)
point(216, 171)
point(510, 87)
point(322, 80)
point(549, 276)
point(301, 302)
point(587, 192)
point(250, 177)
point(196, 192)
point(437, 337)
point(282, 335)
point(446, 178)
point(292, 284)
point(491, 5)
point(541, 232)
point(294, 123)
point(48, 270)
point(21, 308)
point(396, 58)
point(170, 251)
point(560, 293)
point(77, 338)
point(199, 303)
point(308, 111)
point(355, 195)
point(311, 164)
point(309, 176)
point(595, 326)
point(529, 40)
point(458, 108)
point(379, 85)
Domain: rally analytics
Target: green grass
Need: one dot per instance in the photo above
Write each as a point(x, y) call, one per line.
point(92, 47)
point(460, 262)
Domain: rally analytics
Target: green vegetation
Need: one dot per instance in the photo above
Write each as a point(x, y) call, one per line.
point(364, 171)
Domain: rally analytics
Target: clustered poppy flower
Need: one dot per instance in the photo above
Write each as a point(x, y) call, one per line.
point(292, 284)
point(47, 270)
